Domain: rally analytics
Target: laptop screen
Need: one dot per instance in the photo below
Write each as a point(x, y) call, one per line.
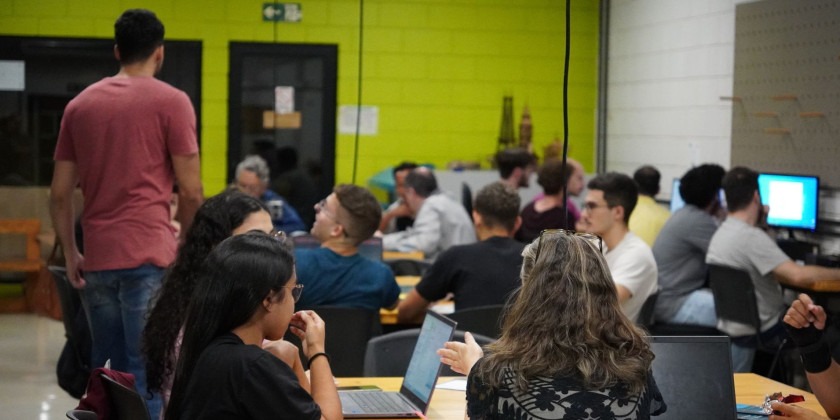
point(694, 375)
point(424, 368)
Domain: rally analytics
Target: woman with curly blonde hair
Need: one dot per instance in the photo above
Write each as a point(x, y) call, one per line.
point(566, 349)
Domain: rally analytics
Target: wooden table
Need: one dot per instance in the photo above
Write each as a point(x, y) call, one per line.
point(394, 255)
point(389, 316)
point(749, 389)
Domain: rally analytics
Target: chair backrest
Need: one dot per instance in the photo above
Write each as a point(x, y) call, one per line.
point(347, 333)
point(467, 198)
point(127, 402)
point(734, 295)
point(646, 314)
point(81, 415)
point(390, 354)
point(484, 320)
point(408, 267)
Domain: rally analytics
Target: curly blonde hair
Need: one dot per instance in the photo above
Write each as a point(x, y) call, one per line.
point(566, 321)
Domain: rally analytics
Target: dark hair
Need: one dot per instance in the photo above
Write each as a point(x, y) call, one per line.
point(647, 179)
point(237, 276)
point(138, 32)
point(509, 159)
point(552, 177)
point(700, 185)
point(619, 190)
point(498, 205)
point(403, 166)
point(363, 210)
point(214, 221)
point(739, 184)
point(422, 180)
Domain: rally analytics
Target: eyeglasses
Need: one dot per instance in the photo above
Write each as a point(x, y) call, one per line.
point(590, 206)
point(321, 206)
point(297, 290)
point(593, 239)
point(278, 234)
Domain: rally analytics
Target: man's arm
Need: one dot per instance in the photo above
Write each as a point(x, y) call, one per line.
point(623, 293)
point(412, 309)
point(190, 192)
point(399, 209)
point(793, 274)
point(65, 178)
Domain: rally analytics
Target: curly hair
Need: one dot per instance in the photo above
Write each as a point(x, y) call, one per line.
point(214, 221)
point(566, 321)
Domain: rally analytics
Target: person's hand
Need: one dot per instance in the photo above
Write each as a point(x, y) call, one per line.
point(805, 321)
point(401, 210)
point(794, 412)
point(283, 350)
point(74, 263)
point(310, 328)
point(461, 356)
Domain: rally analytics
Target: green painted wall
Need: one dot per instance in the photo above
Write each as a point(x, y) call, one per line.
point(437, 69)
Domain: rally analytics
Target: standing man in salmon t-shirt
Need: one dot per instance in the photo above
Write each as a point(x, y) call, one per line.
point(125, 140)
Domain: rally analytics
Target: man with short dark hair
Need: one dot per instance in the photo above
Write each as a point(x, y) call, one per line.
point(483, 273)
point(648, 217)
point(397, 217)
point(335, 274)
point(740, 243)
point(439, 223)
point(680, 250)
point(516, 166)
point(124, 140)
point(606, 211)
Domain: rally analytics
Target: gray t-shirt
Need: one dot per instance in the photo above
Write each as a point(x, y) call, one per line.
point(739, 245)
point(680, 253)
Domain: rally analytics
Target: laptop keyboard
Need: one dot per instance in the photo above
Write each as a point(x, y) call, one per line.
point(378, 402)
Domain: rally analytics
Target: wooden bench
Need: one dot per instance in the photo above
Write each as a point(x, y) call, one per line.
point(31, 262)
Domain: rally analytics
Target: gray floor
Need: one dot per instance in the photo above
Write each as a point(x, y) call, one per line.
point(29, 349)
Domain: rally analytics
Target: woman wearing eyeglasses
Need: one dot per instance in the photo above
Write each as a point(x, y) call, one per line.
point(566, 349)
point(222, 370)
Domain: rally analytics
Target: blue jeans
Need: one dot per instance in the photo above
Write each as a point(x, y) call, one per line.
point(698, 309)
point(116, 302)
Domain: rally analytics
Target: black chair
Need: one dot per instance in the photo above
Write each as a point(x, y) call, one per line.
point(408, 267)
point(348, 331)
point(389, 354)
point(467, 198)
point(127, 402)
point(81, 415)
point(680, 330)
point(73, 367)
point(484, 320)
point(735, 301)
point(646, 314)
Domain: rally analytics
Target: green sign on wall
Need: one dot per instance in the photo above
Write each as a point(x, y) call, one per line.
point(282, 12)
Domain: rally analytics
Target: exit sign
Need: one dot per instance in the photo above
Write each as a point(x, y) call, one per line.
point(282, 12)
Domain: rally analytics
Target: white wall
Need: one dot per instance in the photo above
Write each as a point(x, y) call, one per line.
point(669, 63)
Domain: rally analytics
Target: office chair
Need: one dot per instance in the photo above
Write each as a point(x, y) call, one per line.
point(408, 267)
point(646, 314)
point(348, 331)
point(81, 415)
point(484, 320)
point(467, 198)
point(735, 301)
point(127, 402)
point(389, 354)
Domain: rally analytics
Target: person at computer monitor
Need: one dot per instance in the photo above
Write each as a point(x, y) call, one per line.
point(739, 243)
point(805, 323)
point(648, 217)
point(483, 273)
point(335, 274)
point(566, 349)
point(680, 251)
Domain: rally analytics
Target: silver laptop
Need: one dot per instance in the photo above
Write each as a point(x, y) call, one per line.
point(694, 375)
point(420, 379)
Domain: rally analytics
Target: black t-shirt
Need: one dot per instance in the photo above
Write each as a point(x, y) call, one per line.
point(483, 273)
point(534, 222)
point(237, 381)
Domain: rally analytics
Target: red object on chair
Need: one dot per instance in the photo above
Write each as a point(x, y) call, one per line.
point(96, 396)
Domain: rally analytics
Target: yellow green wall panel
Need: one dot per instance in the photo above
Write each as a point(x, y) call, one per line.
point(436, 69)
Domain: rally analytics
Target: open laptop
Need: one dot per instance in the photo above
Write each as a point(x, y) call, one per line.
point(694, 375)
point(420, 379)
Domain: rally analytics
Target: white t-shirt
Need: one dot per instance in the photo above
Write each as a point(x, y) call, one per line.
point(632, 266)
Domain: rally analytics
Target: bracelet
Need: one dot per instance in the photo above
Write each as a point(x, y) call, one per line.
point(316, 355)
